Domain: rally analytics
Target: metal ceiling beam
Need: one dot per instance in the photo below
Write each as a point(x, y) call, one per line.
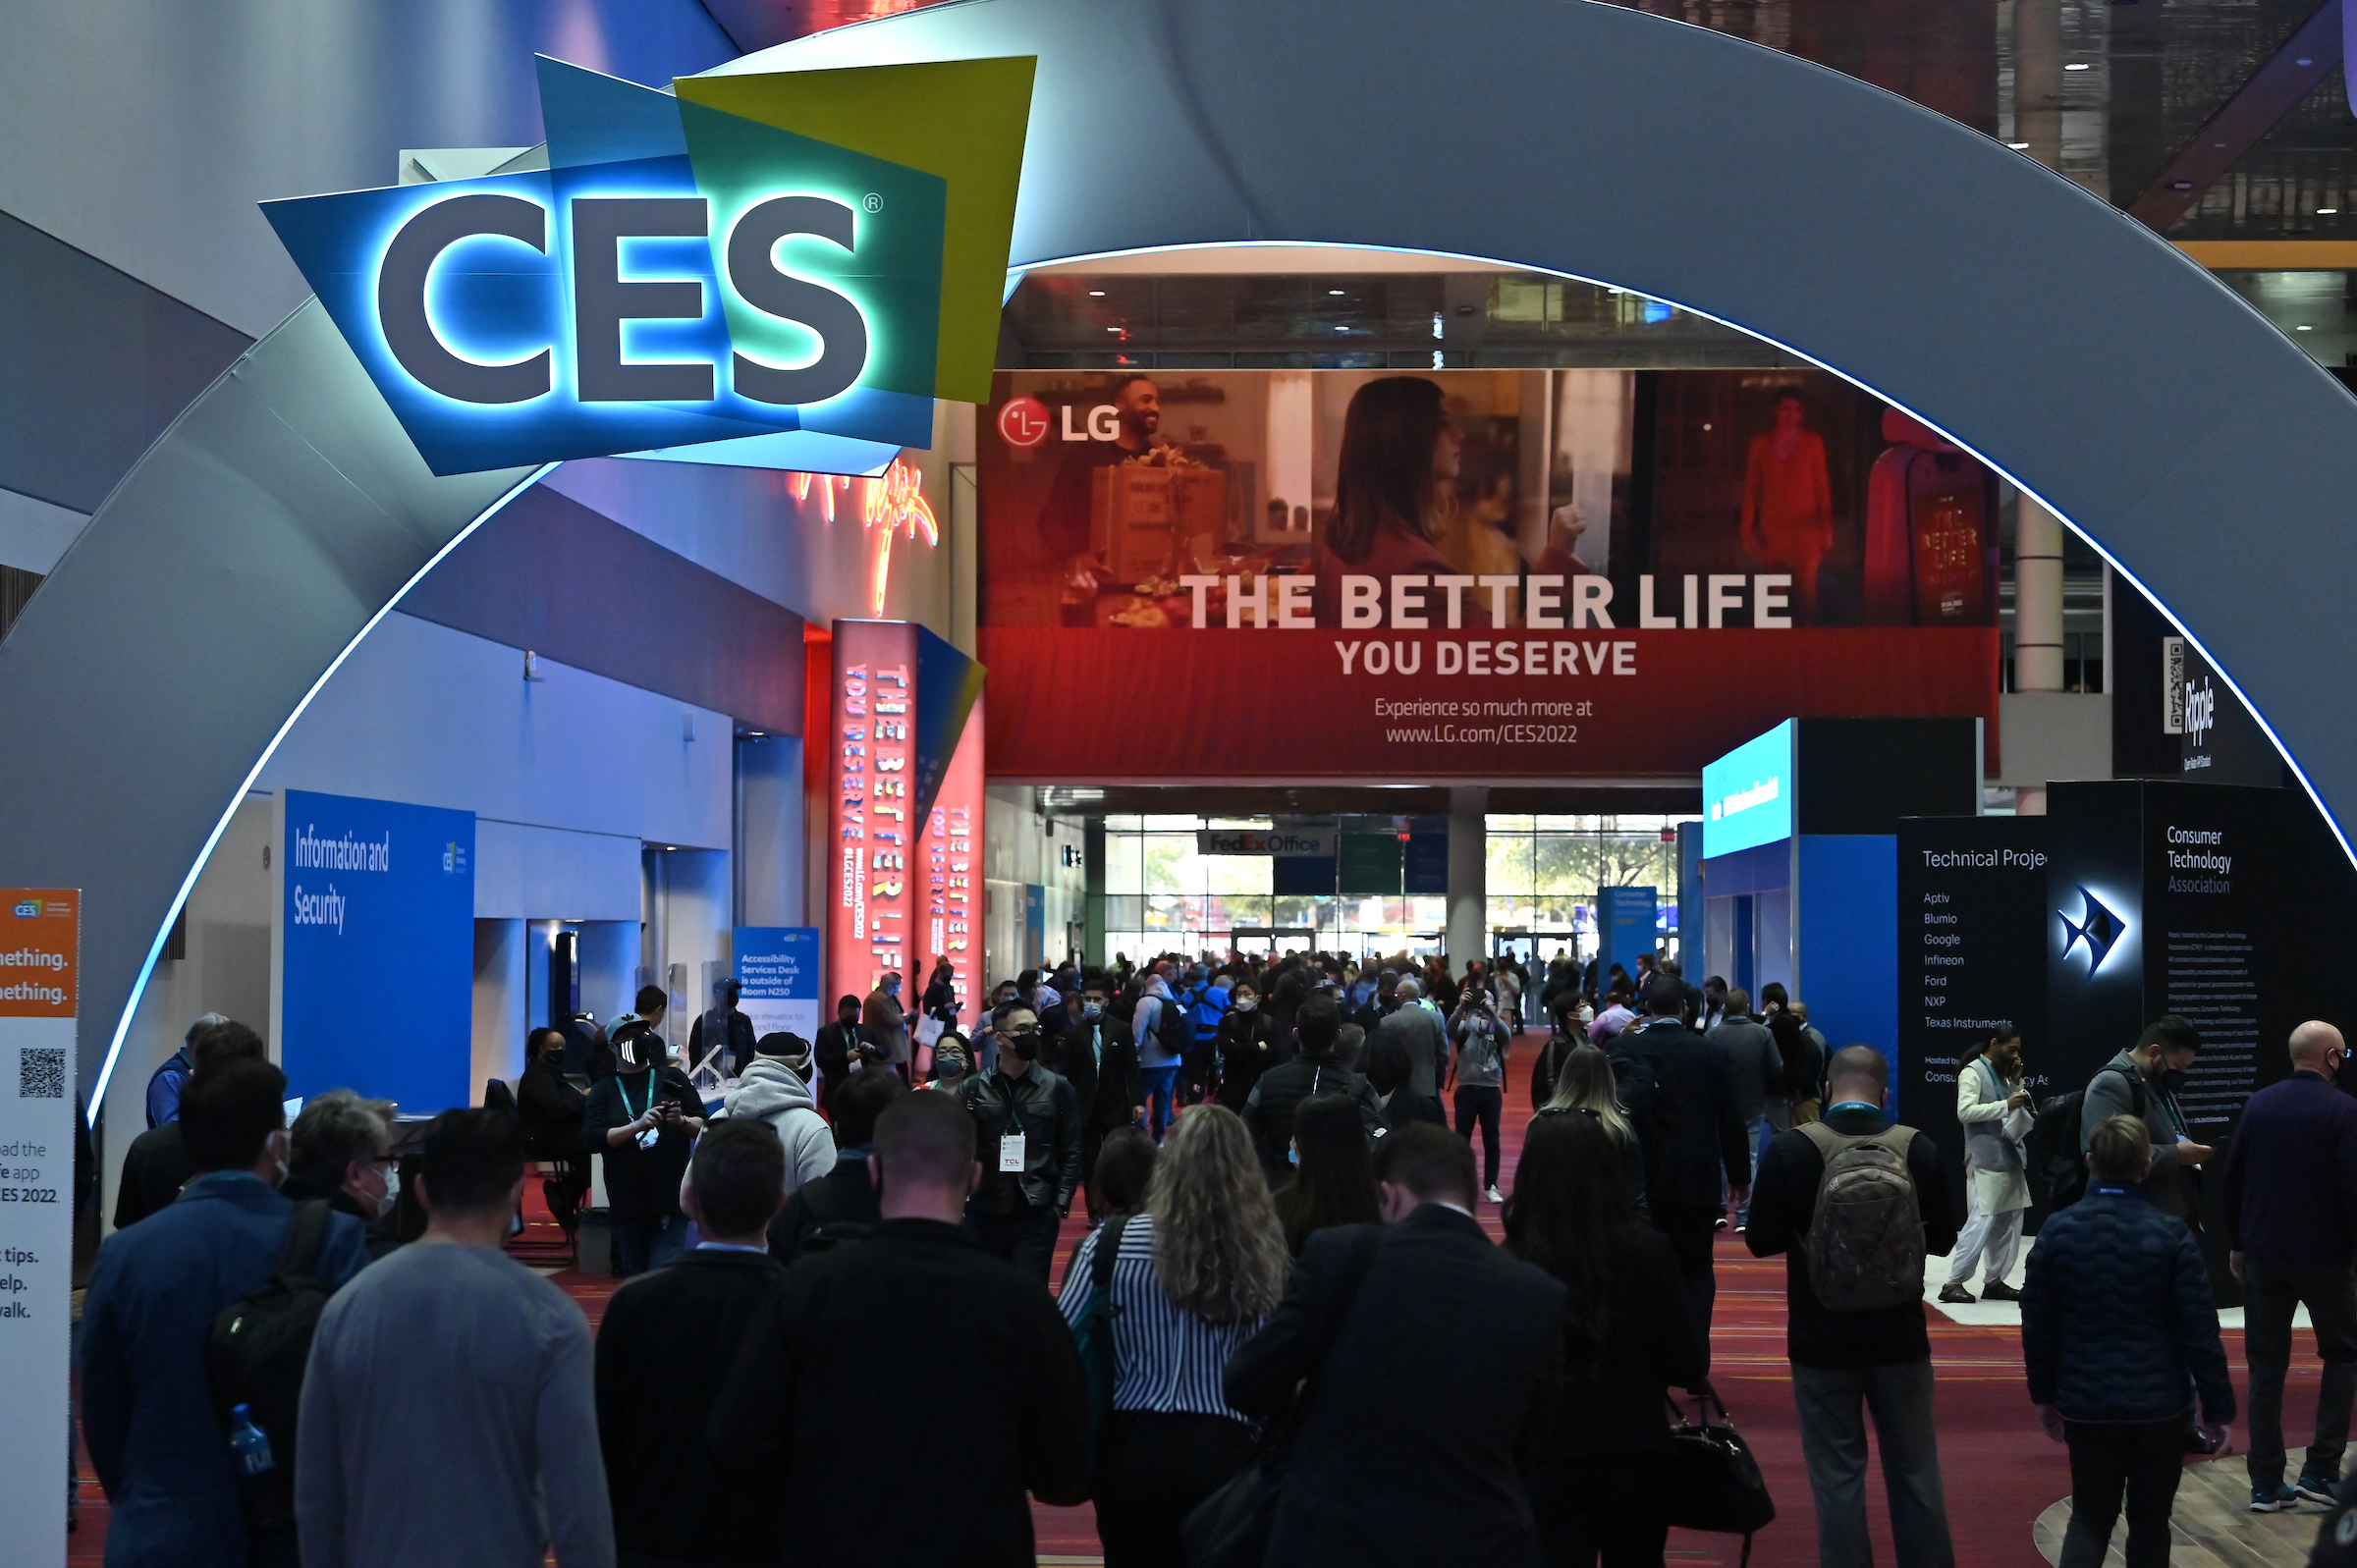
point(2310, 55)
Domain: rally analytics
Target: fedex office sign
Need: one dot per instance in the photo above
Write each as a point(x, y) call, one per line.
point(677, 274)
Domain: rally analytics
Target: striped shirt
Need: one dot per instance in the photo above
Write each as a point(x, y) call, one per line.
point(1165, 1359)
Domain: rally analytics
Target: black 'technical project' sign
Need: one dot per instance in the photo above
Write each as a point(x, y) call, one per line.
point(1971, 960)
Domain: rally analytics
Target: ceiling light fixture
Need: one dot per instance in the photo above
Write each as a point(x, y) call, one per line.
point(2326, 212)
point(2019, 147)
point(1096, 294)
point(2303, 327)
point(2078, 65)
point(1336, 293)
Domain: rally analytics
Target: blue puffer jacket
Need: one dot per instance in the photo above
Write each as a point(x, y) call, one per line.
point(2117, 1321)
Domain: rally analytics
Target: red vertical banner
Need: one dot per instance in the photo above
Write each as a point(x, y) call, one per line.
point(871, 720)
point(950, 854)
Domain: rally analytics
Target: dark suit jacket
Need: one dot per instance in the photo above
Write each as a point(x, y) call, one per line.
point(1385, 1472)
point(814, 1423)
point(844, 1196)
point(1407, 1106)
point(667, 1342)
point(1681, 1096)
point(153, 1171)
point(1105, 1082)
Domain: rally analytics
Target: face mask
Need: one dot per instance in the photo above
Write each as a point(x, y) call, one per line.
point(278, 1156)
point(392, 1194)
point(1246, 1003)
point(949, 1065)
point(1093, 1010)
point(1025, 1044)
point(2172, 1080)
point(892, 988)
point(1292, 1154)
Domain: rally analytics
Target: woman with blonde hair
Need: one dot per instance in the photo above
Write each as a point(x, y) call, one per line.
point(1193, 1278)
point(1586, 1086)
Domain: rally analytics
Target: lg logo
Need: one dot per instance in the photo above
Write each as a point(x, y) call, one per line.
point(1024, 422)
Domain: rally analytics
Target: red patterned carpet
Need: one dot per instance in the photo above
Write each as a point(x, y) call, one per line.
point(2000, 1471)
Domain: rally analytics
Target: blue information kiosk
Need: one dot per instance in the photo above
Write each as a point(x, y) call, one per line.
point(1801, 860)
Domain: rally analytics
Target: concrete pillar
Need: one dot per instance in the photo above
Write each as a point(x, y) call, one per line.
point(2037, 599)
point(1468, 876)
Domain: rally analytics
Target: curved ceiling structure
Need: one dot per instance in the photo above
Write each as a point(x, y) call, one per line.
point(2074, 349)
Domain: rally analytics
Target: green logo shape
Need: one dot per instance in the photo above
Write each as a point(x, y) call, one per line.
point(964, 120)
point(892, 272)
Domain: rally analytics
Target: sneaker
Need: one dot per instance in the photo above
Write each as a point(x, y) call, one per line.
point(1955, 1295)
point(1998, 1290)
point(1494, 1196)
point(2273, 1499)
point(2316, 1489)
point(1721, 1225)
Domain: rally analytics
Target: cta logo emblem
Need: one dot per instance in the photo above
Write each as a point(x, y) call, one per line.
point(30, 909)
point(817, 252)
point(2098, 927)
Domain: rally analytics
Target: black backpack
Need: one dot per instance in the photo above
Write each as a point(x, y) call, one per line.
point(2059, 1139)
point(1174, 1029)
point(255, 1354)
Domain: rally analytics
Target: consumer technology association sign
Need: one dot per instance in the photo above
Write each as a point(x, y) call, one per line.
point(747, 255)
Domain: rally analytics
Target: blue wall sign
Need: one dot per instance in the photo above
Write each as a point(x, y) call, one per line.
point(777, 978)
point(377, 980)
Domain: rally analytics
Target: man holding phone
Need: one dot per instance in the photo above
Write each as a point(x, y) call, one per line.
point(644, 1122)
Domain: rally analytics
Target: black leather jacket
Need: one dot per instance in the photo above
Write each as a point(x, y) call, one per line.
point(1043, 1106)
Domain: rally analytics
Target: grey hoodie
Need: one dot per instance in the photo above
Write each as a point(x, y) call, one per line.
point(772, 1092)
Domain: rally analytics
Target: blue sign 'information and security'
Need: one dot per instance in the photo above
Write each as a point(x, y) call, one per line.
point(1747, 794)
point(777, 978)
point(377, 962)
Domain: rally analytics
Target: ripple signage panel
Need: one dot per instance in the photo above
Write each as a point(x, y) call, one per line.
point(746, 256)
point(376, 937)
point(1747, 794)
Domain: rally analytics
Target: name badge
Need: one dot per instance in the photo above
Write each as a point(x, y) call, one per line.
point(650, 1137)
point(1011, 1152)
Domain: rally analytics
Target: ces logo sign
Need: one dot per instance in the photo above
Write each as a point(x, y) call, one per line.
point(748, 256)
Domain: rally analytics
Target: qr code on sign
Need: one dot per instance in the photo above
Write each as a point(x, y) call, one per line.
point(40, 1074)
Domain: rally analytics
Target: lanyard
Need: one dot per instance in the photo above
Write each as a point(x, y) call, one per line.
point(624, 1090)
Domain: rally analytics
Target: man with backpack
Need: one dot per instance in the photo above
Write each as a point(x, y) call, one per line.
point(155, 1434)
point(448, 1415)
point(2142, 1081)
point(840, 1206)
point(1856, 1205)
point(1164, 1029)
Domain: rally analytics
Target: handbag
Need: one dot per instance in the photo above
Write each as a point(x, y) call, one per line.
point(1231, 1528)
point(1716, 1483)
point(1092, 1330)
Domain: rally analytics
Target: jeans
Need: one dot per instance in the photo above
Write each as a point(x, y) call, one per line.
point(1152, 1469)
point(1159, 1082)
point(1689, 1228)
point(1997, 1236)
point(2270, 1291)
point(2143, 1459)
point(1025, 1238)
point(1833, 1403)
point(1614, 1509)
point(654, 1242)
point(1482, 1103)
point(1755, 1138)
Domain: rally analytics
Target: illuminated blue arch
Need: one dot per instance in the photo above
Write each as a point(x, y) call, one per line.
point(2074, 350)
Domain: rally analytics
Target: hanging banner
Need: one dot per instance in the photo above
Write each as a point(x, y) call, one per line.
point(1595, 549)
point(41, 938)
point(949, 853)
point(872, 832)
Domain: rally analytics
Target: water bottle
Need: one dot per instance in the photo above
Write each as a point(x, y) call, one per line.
point(249, 1444)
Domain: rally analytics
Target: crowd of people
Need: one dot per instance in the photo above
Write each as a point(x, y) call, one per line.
point(841, 1261)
